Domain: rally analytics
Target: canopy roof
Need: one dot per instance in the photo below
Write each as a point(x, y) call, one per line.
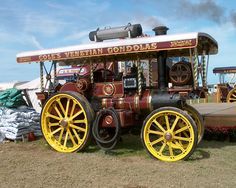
point(222, 70)
point(176, 45)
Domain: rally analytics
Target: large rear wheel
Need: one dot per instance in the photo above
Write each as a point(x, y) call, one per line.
point(231, 97)
point(66, 121)
point(169, 134)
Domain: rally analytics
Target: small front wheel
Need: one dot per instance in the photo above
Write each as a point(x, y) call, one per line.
point(169, 134)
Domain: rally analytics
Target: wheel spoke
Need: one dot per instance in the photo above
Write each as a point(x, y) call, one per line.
point(76, 135)
point(185, 73)
point(53, 124)
point(77, 114)
point(61, 106)
point(55, 131)
point(175, 123)
point(159, 126)
point(157, 141)
point(80, 121)
point(177, 145)
point(58, 112)
point(181, 129)
point(60, 136)
point(155, 132)
point(181, 138)
point(72, 109)
point(67, 107)
point(185, 134)
point(53, 116)
point(174, 74)
point(77, 127)
point(171, 150)
point(66, 138)
point(167, 122)
point(162, 147)
point(71, 137)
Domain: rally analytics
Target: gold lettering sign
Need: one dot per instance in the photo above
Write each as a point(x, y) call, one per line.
point(92, 52)
point(49, 57)
point(180, 43)
point(99, 51)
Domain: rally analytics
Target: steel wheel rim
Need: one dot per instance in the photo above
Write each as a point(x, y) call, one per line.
point(200, 127)
point(64, 126)
point(231, 97)
point(177, 146)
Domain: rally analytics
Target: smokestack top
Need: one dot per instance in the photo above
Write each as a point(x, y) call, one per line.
point(160, 30)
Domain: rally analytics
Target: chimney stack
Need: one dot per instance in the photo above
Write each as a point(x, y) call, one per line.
point(161, 59)
point(160, 30)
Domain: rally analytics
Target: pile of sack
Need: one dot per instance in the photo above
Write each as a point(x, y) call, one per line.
point(15, 123)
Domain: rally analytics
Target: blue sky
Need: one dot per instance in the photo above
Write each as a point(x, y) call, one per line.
point(32, 25)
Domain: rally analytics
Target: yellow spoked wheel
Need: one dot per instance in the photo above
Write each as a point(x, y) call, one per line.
point(65, 121)
point(231, 97)
point(169, 134)
point(196, 116)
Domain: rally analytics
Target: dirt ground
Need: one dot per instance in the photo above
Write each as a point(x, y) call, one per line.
point(34, 164)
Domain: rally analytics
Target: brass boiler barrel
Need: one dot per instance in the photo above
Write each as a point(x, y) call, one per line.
point(149, 101)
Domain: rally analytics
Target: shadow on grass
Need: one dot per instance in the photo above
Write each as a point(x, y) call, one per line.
point(132, 146)
point(215, 144)
point(199, 154)
point(129, 145)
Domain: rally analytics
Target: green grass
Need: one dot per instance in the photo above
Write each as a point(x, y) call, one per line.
point(131, 145)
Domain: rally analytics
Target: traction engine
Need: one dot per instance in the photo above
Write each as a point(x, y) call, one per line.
point(124, 86)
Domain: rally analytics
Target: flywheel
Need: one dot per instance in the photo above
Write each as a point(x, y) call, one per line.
point(180, 73)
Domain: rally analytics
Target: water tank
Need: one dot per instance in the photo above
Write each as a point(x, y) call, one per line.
point(129, 30)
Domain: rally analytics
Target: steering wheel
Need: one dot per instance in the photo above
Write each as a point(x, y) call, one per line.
point(180, 73)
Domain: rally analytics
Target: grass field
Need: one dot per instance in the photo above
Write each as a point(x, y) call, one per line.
point(34, 164)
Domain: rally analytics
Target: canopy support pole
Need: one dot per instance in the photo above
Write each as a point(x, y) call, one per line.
point(139, 77)
point(91, 71)
point(204, 81)
point(55, 73)
point(41, 77)
point(150, 72)
point(195, 68)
